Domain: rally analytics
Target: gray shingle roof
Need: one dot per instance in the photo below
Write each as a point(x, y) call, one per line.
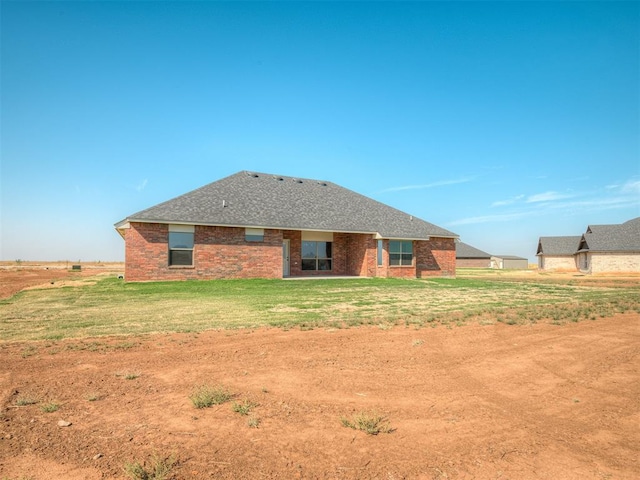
point(558, 245)
point(510, 257)
point(464, 250)
point(624, 237)
point(248, 199)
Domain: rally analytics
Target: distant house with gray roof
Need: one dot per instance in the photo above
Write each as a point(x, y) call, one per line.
point(610, 248)
point(558, 253)
point(257, 225)
point(601, 249)
point(471, 257)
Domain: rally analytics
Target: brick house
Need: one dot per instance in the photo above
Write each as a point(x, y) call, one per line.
point(557, 253)
point(601, 249)
point(256, 225)
point(468, 256)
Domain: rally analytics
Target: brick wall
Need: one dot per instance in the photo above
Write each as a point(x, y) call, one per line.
point(473, 263)
point(361, 255)
point(219, 252)
point(614, 262)
point(559, 263)
point(435, 257)
point(432, 258)
point(223, 252)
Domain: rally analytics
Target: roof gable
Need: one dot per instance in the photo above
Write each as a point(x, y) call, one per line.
point(622, 237)
point(248, 199)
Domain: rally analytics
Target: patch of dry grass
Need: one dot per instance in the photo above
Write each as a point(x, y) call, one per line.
point(112, 307)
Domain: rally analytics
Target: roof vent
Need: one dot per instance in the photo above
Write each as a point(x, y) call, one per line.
point(279, 178)
point(297, 180)
point(254, 175)
point(322, 183)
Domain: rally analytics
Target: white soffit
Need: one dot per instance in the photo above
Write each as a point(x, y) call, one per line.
point(182, 228)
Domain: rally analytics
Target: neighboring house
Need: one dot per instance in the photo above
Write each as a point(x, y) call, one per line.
point(256, 225)
point(602, 248)
point(557, 253)
point(610, 248)
point(509, 262)
point(468, 256)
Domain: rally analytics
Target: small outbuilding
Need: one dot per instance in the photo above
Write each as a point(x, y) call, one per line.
point(510, 262)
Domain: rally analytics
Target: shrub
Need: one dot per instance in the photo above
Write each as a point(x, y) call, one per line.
point(243, 408)
point(369, 422)
point(50, 407)
point(205, 396)
point(158, 468)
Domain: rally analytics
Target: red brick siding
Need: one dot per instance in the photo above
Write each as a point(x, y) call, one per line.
point(223, 252)
point(361, 258)
point(219, 252)
point(435, 257)
point(473, 263)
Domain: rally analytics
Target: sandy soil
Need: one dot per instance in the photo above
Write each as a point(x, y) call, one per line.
point(472, 402)
point(14, 278)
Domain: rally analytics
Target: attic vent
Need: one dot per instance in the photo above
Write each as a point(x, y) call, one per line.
point(297, 180)
point(279, 178)
point(322, 183)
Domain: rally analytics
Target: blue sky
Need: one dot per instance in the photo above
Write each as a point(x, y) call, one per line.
point(501, 122)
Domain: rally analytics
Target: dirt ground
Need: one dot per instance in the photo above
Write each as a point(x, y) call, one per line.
point(16, 277)
point(471, 402)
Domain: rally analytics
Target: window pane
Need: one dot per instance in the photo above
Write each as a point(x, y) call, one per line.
point(394, 259)
point(308, 264)
point(180, 240)
point(324, 264)
point(181, 257)
point(308, 249)
point(379, 252)
point(324, 249)
point(407, 259)
point(394, 246)
point(254, 234)
point(407, 246)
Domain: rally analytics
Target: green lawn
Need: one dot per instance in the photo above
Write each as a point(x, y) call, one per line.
point(112, 307)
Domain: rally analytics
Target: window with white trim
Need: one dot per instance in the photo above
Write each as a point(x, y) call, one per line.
point(400, 253)
point(181, 241)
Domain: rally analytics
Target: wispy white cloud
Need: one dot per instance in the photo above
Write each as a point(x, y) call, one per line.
point(506, 217)
point(632, 186)
point(510, 201)
point(547, 197)
point(623, 195)
point(441, 183)
point(142, 185)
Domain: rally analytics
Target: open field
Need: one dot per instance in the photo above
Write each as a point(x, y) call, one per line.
point(497, 376)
